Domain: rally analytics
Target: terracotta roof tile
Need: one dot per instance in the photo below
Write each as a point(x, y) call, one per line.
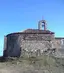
point(33, 31)
point(38, 31)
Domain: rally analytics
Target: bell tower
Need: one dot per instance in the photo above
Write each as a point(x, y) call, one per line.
point(42, 25)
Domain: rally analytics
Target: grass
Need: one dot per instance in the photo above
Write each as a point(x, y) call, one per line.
point(40, 64)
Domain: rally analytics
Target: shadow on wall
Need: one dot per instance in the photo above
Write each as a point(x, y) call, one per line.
point(13, 53)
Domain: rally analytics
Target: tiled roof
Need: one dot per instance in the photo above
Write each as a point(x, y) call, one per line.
point(33, 31)
point(38, 31)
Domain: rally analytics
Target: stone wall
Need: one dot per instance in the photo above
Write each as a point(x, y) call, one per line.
point(13, 47)
point(16, 43)
point(31, 44)
point(34, 47)
point(59, 47)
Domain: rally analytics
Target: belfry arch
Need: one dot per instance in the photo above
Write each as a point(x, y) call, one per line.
point(42, 25)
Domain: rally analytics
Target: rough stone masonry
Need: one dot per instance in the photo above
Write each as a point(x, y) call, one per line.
point(33, 42)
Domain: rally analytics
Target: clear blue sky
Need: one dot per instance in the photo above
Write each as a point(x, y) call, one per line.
point(18, 15)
